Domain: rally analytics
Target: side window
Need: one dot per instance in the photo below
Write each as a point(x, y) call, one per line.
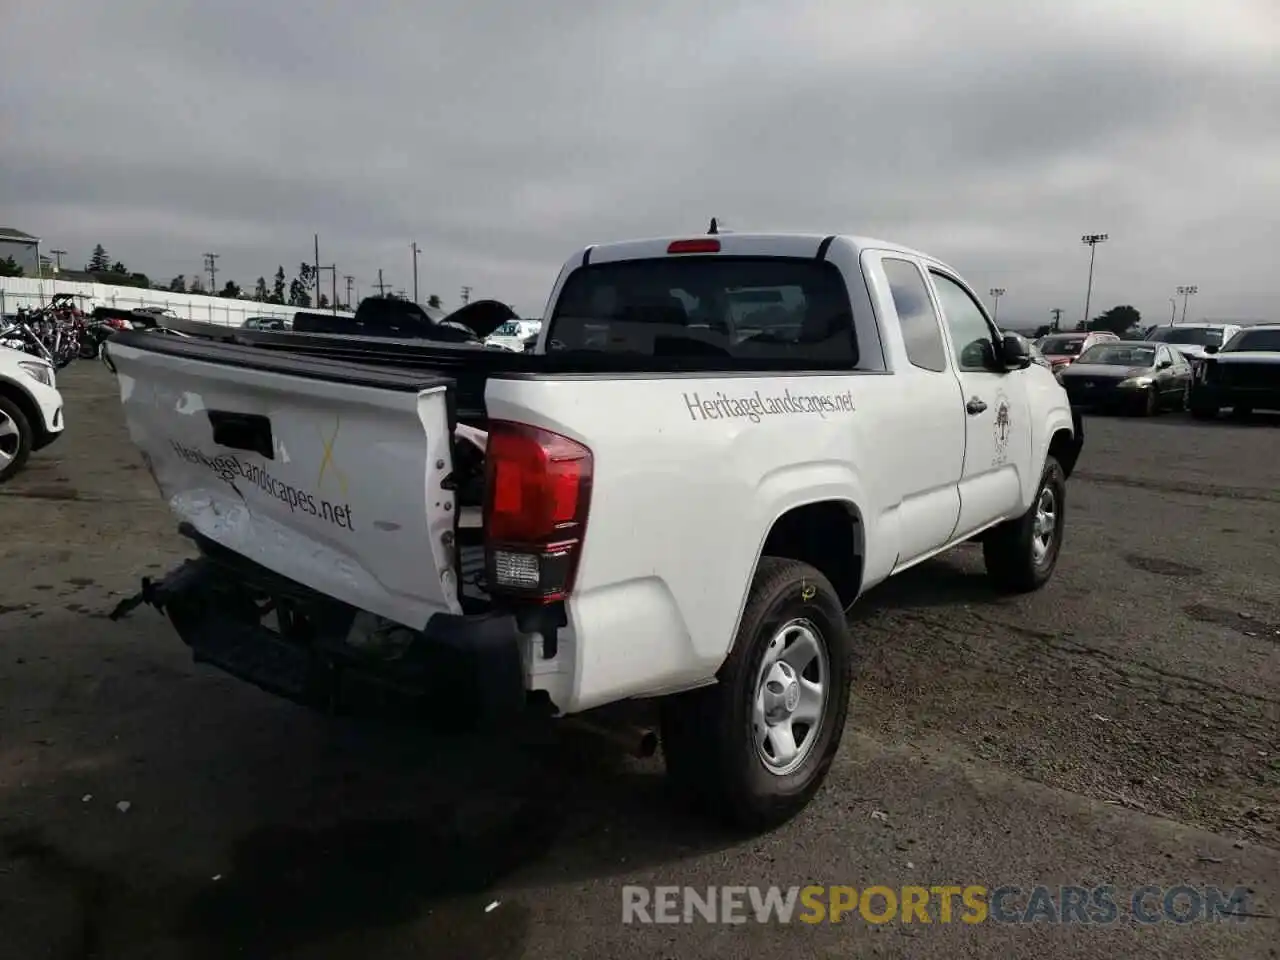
point(919, 321)
point(971, 334)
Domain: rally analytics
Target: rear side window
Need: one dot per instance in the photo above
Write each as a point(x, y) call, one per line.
point(919, 322)
point(793, 311)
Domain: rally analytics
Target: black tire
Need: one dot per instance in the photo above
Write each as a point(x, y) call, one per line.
point(17, 448)
point(708, 734)
point(1009, 550)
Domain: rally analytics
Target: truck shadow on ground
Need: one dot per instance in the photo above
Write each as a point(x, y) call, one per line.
point(939, 582)
point(372, 841)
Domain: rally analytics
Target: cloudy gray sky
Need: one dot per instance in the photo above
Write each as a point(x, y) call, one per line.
point(502, 135)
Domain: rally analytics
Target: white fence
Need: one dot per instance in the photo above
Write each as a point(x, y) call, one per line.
point(28, 292)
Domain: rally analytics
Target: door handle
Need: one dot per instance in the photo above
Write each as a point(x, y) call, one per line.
point(975, 406)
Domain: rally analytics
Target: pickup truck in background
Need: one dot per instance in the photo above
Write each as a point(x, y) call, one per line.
point(1242, 375)
point(397, 318)
point(719, 444)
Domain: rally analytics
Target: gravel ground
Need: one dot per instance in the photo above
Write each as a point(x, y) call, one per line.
point(1121, 726)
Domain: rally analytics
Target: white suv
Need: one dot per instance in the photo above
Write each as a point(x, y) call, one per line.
point(30, 408)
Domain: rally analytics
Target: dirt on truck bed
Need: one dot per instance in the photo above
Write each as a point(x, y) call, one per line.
point(1122, 726)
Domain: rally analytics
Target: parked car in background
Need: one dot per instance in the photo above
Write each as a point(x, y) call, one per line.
point(30, 408)
point(1130, 376)
point(1060, 349)
point(515, 334)
point(1244, 375)
point(1192, 340)
point(266, 323)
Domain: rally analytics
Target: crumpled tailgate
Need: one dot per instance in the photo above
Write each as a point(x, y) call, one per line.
point(326, 472)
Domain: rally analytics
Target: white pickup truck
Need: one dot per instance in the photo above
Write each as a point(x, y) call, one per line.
point(719, 443)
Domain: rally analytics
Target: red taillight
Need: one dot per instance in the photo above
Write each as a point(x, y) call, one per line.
point(537, 494)
point(694, 246)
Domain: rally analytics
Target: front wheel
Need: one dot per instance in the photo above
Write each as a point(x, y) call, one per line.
point(1021, 554)
point(754, 748)
point(16, 437)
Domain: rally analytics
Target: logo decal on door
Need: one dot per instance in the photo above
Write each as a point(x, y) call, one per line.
point(1003, 429)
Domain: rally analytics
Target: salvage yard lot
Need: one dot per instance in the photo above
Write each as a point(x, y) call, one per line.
point(1121, 726)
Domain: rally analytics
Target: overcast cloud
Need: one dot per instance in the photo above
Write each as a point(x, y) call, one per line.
point(501, 136)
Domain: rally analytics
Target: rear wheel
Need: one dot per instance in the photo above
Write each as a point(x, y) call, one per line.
point(16, 437)
point(754, 748)
point(1021, 554)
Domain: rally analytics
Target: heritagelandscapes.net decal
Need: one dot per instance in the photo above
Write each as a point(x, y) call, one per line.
point(756, 406)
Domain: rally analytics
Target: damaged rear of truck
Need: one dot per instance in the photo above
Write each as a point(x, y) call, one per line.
point(336, 493)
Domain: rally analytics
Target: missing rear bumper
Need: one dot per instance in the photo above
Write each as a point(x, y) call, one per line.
point(463, 672)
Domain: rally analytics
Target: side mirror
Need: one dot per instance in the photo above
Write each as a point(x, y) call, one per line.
point(1164, 364)
point(1211, 349)
point(1014, 354)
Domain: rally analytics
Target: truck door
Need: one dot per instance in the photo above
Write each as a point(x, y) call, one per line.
point(997, 428)
point(926, 456)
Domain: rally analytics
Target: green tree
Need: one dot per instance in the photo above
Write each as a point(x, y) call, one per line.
point(433, 301)
point(231, 291)
point(9, 268)
point(196, 285)
point(323, 302)
point(300, 288)
point(119, 267)
point(277, 287)
point(98, 262)
point(260, 292)
point(1118, 320)
point(178, 284)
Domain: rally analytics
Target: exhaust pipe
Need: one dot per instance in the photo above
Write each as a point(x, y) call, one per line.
point(638, 742)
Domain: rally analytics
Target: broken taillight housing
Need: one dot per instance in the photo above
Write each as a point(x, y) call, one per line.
point(537, 495)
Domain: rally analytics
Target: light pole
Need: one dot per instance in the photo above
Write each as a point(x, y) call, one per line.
point(1173, 311)
point(1186, 293)
point(1057, 318)
point(996, 294)
point(414, 247)
point(1092, 240)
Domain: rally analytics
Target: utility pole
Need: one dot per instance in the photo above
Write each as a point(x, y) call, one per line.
point(466, 295)
point(211, 264)
point(350, 280)
point(316, 264)
point(1186, 293)
point(414, 247)
point(996, 294)
point(1173, 311)
point(1057, 318)
point(382, 287)
point(1092, 240)
point(58, 254)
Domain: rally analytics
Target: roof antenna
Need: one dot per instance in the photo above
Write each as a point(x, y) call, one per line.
point(713, 229)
